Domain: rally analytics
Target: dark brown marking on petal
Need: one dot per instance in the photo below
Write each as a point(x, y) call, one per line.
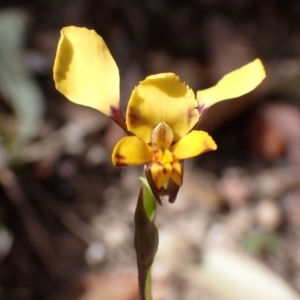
point(120, 156)
point(121, 164)
point(164, 170)
point(207, 147)
point(133, 117)
point(121, 160)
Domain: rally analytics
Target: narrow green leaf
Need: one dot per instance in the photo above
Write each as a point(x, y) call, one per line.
point(149, 200)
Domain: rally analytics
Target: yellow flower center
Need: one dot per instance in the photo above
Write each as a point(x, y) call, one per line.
point(161, 140)
point(163, 157)
point(165, 165)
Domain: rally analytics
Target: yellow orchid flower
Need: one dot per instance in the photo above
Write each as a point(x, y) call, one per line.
point(162, 111)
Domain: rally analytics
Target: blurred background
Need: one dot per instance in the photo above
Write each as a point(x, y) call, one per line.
point(66, 214)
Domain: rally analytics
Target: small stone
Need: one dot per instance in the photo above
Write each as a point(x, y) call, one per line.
point(95, 253)
point(235, 187)
point(268, 215)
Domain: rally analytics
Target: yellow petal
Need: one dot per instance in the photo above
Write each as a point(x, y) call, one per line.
point(233, 85)
point(160, 173)
point(84, 70)
point(131, 151)
point(177, 173)
point(193, 144)
point(161, 98)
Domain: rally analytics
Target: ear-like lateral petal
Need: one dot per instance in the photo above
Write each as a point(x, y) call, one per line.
point(233, 85)
point(193, 144)
point(84, 70)
point(131, 151)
